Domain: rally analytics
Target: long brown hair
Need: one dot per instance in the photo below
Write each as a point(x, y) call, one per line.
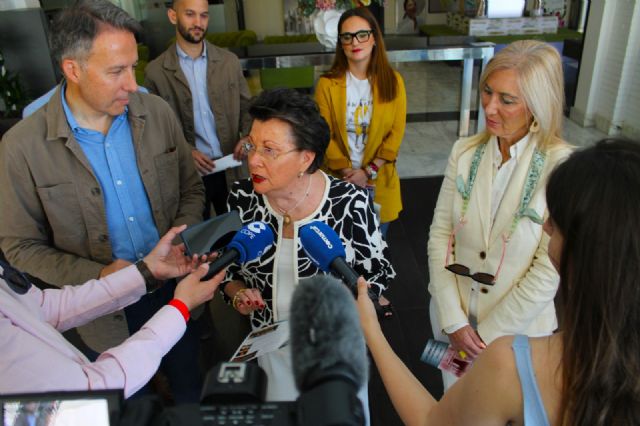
point(593, 202)
point(379, 70)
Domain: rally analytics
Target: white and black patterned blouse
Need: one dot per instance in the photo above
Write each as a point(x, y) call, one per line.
point(345, 208)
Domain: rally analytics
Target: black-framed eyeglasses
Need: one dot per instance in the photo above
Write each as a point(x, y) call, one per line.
point(361, 36)
point(14, 278)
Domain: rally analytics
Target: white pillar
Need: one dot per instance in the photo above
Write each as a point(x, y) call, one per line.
point(608, 91)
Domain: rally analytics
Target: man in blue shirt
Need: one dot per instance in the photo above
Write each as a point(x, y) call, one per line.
point(206, 88)
point(90, 180)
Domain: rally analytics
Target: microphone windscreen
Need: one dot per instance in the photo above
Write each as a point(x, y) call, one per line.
point(321, 243)
point(325, 334)
point(252, 241)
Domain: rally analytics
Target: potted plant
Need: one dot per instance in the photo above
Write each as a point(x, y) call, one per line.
point(12, 97)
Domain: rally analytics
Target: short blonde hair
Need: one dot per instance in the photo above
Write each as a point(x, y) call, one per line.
point(540, 80)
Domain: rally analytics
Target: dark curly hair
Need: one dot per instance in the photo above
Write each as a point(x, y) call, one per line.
point(310, 131)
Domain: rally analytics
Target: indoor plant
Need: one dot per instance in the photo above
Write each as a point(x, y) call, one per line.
point(12, 93)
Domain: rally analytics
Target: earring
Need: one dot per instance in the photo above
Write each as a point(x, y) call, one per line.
point(300, 174)
point(535, 126)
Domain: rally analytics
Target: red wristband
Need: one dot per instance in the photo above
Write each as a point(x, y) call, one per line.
point(180, 306)
point(374, 166)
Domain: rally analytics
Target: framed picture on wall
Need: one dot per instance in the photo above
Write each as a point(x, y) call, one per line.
point(410, 15)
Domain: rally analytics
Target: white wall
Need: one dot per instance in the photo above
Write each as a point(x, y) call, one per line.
point(265, 17)
point(630, 102)
point(608, 91)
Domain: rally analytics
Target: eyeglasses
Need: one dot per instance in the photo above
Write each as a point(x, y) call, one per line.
point(458, 269)
point(14, 278)
point(265, 152)
point(361, 36)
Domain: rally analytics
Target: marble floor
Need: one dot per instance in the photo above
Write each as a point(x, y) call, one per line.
point(425, 148)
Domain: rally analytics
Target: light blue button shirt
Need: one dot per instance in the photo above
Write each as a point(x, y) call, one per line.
point(204, 121)
point(132, 230)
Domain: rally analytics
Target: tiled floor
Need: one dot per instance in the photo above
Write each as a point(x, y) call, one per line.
point(426, 145)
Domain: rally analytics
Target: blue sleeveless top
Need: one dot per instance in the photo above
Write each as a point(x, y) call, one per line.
point(534, 412)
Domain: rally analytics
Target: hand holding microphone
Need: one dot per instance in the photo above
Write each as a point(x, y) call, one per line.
point(366, 309)
point(324, 247)
point(249, 243)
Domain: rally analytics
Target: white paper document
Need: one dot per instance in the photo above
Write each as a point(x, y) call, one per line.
point(224, 163)
point(262, 341)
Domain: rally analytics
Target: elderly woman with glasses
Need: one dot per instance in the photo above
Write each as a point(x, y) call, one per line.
point(287, 190)
point(364, 102)
point(488, 264)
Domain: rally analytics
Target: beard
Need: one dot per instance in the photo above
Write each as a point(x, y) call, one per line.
point(184, 32)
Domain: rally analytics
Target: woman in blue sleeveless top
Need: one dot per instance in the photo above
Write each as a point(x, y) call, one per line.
point(588, 373)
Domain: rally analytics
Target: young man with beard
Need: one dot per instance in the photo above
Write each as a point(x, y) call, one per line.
point(205, 87)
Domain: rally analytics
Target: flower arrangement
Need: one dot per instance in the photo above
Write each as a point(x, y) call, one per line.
point(307, 7)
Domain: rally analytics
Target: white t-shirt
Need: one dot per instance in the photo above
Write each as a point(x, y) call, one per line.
point(359, 111)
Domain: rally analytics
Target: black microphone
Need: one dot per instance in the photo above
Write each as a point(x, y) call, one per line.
point(323, 245)
point(328, 352)
point(249, 243)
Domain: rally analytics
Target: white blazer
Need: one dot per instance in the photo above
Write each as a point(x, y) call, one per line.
point(521, 301)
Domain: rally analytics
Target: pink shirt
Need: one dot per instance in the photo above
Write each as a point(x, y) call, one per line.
point(35, 357)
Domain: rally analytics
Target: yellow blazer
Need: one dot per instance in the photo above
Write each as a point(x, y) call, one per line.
point(521, 301)
point(383, 141)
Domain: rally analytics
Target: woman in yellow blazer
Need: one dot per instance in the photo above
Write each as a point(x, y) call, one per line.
point(364, 102)
point(488, 264)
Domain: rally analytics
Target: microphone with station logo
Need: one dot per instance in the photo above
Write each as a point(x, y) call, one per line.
point(325, 249)
point(249, 243)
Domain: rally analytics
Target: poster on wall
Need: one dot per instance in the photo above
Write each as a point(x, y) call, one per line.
point(294, 20)
point(410, 15)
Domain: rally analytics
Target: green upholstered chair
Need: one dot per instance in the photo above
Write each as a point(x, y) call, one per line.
point(143, 60)
point(293, 78)
point(228, 39)
point(233, 38)
point(143, 52)
point(140, 72)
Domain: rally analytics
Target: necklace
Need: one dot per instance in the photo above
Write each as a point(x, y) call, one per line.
point(285, 213)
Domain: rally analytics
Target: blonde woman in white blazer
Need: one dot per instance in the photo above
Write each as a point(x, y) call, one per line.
point(490, 274)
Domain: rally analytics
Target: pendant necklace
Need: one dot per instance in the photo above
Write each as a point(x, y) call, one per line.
point(285, 213)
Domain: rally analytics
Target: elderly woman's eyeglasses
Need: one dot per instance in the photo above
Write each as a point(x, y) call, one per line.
point(265, 152)
point(458, 269)
point(361, 36)
point(14, 278)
